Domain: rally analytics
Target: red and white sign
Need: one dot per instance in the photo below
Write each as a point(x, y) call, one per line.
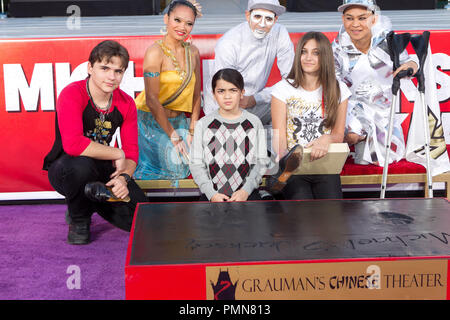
point(34, 71)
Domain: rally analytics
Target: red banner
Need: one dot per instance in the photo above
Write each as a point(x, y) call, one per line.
point(34, 71)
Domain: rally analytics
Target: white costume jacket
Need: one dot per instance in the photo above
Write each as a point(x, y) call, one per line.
point(369, 78)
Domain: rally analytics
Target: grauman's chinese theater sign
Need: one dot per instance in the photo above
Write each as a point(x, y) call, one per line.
point(405, 279)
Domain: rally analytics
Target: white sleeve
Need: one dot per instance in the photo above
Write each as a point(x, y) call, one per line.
point(279, 90)
point(225, 57)
point(405, 57)
point(345, 91)
point(285, 60)
point(209, 103)
point(264, 96)
point(225, 54)
point(285, 52)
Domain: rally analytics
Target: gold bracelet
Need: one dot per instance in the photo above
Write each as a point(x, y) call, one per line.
point(191, 132)
point(180, 138)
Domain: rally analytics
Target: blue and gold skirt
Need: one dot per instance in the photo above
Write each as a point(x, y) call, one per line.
point(158, 159)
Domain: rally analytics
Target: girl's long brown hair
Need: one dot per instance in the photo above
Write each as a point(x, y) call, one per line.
point(327, 74)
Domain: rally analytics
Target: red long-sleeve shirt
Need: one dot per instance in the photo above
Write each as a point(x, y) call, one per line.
point(78, 123)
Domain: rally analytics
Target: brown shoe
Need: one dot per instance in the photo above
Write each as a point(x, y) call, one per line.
point(287, 165)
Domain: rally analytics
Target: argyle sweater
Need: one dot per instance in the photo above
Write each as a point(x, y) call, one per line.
point(228, 154)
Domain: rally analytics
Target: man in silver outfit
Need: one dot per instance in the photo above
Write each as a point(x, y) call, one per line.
point(251, 48)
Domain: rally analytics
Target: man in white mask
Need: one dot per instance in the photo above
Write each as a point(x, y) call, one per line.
point(251, 48)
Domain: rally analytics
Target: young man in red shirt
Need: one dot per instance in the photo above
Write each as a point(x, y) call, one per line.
point(88, 114)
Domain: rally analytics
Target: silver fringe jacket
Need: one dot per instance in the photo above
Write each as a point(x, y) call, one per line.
point(369, 78)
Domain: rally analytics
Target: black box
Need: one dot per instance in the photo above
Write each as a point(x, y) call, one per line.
point(332, 5)
point(55, 8)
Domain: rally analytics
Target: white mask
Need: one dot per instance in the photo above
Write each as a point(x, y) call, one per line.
point(263, 19)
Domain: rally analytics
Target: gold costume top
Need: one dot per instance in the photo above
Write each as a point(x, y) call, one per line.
point(170, 82)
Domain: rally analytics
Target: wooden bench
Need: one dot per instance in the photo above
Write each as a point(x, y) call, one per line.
point(400, 173)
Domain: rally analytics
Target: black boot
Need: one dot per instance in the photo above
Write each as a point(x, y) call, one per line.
point(287, 165)
point(67, 217)
point(79, 233)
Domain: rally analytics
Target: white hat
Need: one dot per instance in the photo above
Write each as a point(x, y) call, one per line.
point(369, 4)
point(271, 5)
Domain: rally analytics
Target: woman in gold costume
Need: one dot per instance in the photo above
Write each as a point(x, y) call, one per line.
point(172, 89)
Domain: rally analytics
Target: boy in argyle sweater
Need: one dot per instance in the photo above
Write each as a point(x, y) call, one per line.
point(229, 150)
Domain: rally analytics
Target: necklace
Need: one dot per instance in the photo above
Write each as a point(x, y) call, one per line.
point(172, 57)
point(101, 115)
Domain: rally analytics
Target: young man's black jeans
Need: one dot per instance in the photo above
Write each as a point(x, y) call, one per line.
point(69, 175)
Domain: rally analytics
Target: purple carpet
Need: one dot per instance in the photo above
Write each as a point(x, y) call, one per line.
point(36, 259)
